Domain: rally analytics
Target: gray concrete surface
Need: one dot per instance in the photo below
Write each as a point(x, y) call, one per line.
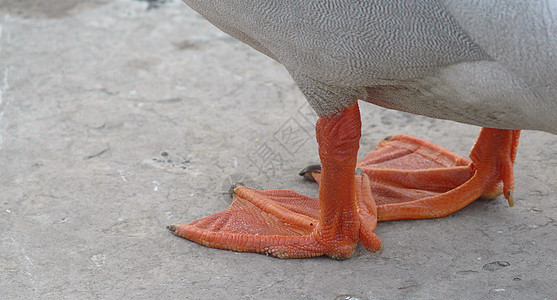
point(116, 121)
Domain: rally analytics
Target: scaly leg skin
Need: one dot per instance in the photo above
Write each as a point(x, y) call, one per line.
point(415, 179)
point(493, 155)
point(285, 224)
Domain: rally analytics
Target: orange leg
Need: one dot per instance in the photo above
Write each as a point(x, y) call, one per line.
point(287, 224)
point(415, 179)
point(493, 155)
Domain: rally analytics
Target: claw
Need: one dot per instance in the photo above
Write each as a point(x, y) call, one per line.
point(510, 198)
point(306, 172)
point(233, 187)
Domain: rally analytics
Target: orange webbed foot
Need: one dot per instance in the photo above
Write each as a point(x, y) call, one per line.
point(284, 224)
point(415, 179)
point(404, 178)
point(280, 223)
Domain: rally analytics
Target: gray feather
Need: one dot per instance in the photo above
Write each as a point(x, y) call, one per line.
point(488, 63)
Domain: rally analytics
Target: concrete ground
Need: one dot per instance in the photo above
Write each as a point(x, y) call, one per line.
point(117, 120)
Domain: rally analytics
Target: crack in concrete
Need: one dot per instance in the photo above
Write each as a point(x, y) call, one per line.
point(5, 87)
point(3, 90)
point(22, 254)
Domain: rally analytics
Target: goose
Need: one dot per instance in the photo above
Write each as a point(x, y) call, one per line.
point(482, 62)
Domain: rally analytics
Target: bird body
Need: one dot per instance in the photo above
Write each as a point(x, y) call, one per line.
point(486, 63)
point(483, 62)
